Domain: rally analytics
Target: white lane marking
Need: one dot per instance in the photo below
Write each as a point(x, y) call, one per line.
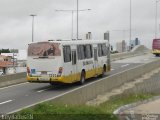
point(14, 85)
point(112, 69)
point(6, 102)
point(125, 65)
point(26, 95)
point(42, 90)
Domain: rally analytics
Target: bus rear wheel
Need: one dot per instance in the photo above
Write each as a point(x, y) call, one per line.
point(54, 84)
point(103, 71)
point(82, 79)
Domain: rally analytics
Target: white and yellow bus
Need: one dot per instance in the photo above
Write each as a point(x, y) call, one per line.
point(67, 61)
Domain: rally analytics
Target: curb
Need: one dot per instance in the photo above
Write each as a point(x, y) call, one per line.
point(125, 107)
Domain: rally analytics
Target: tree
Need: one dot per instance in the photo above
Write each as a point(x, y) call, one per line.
point(4, 51)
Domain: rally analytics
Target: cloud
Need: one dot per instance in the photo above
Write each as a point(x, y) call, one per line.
point(105, 15)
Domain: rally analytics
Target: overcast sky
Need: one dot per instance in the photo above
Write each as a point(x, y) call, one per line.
point(15, 22)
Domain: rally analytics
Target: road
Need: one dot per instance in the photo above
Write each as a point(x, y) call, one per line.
point(17, 97)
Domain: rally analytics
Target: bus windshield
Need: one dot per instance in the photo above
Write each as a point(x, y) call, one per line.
point(44, 49)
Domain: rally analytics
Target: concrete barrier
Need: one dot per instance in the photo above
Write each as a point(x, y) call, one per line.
point(90, 91)
point(138, 50)
point(7, 80)
point(149, 85)
point(118, 56)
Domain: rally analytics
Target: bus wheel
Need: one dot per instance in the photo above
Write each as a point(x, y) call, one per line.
point(54, 84)
point(103, 72)
point(82, 79)
point(51, 83)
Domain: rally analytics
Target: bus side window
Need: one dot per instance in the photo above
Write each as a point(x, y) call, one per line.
point(91, 51)
point(67, 53)
point(88, 51)
point(74, 58)
point(81, 54)
point(104, 50)
point(99, 50)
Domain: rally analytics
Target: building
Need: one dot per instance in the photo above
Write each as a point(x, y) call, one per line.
point(5, 58)
point(6, 66)
point(121, 46)
point(89, 36)
point(5, 63)
point(107, 35)
point(133, 43)
point(11, 63)
point(14, 50)
point(21, 55)
point(18, 58)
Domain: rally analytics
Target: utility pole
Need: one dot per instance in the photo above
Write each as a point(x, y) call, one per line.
point(130, 35)
point(77, 18)
point(32, 15)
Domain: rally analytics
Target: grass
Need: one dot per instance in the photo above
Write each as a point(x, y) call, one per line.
point(50, 111)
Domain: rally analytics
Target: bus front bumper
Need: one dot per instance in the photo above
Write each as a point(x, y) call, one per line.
point(156, 51)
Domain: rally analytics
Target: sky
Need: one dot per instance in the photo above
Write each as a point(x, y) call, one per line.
point(105, 15)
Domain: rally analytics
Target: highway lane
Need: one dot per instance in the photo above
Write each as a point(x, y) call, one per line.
point(19, 96)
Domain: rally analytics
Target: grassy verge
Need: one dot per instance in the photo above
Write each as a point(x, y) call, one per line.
point(50, 111)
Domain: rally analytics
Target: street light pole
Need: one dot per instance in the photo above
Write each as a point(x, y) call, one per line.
point(130, 35)
point(156, 17)
point(72, 25)
point(77, 18)
point(32, 15)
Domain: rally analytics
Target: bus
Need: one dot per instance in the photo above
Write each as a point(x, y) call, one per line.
point(156, 47)
point(58, 61)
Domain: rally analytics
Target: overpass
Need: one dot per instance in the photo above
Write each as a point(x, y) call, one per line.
point(125, 67)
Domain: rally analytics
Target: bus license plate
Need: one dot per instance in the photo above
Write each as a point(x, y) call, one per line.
point(44, 72)
point(44, 79)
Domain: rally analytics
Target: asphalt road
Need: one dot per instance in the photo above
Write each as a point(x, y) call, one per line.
point(17, 97)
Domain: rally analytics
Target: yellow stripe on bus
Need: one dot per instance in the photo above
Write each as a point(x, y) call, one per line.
point(71, 78)
point(155, 51)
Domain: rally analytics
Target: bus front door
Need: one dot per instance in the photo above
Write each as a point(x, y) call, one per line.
point(95, 61)
point(74, 65)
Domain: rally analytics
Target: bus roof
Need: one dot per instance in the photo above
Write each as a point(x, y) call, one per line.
point(72, 42)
